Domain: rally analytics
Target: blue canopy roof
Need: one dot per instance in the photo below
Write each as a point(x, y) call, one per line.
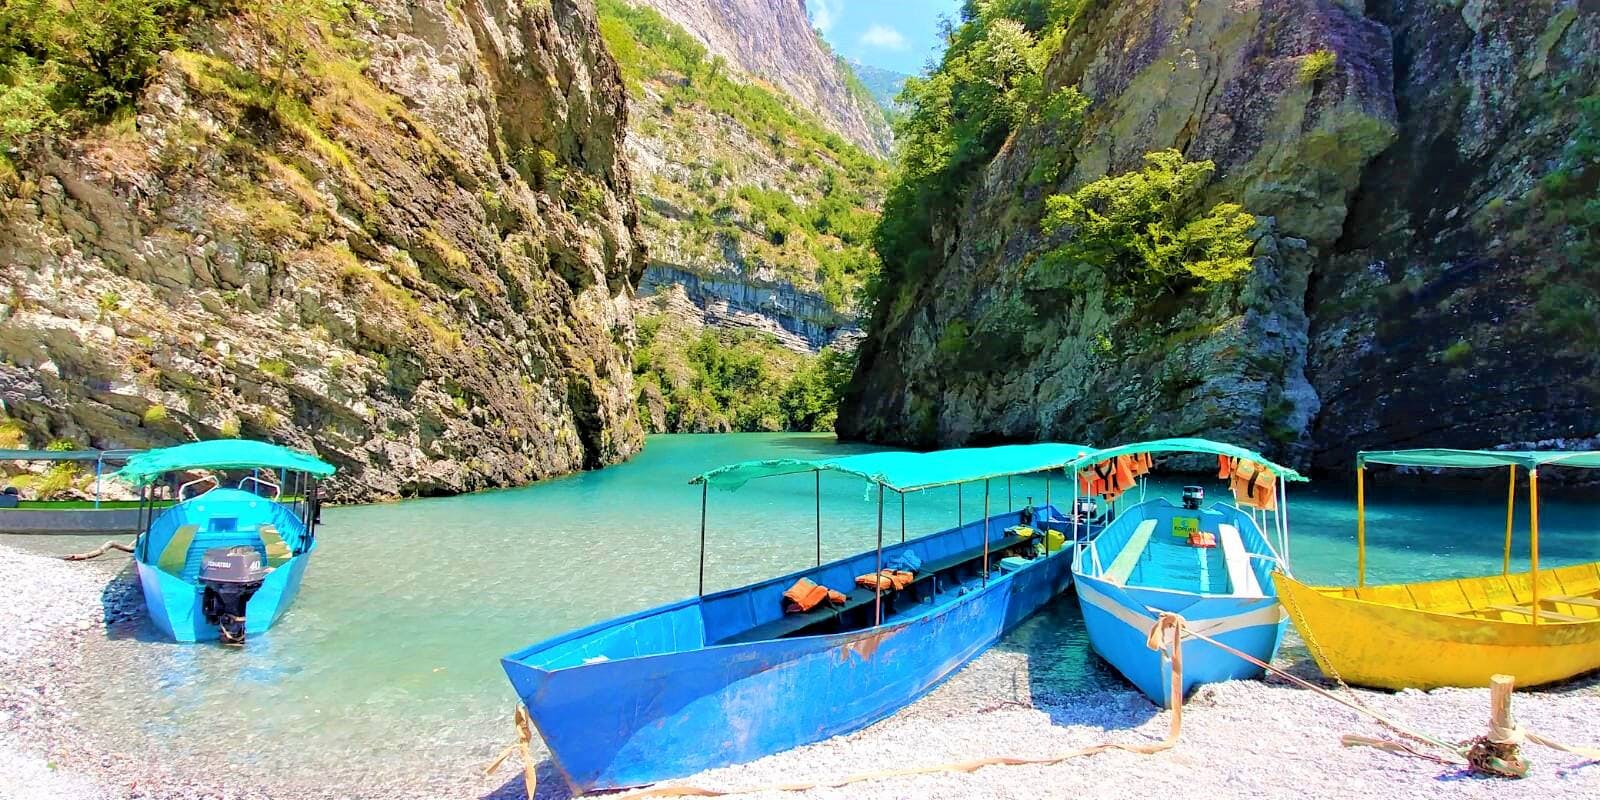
point(905, 471)
point(1201, 446)
point(220, 454)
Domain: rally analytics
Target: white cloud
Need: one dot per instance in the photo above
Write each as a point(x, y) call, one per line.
point(885, 37)
point(824, 13)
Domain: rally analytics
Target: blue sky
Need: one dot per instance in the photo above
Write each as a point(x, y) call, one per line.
point(894, 34)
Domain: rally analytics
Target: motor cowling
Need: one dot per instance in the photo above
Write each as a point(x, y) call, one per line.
point(1193, 497)
point(231, 576)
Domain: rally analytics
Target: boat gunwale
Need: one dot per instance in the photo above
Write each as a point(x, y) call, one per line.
point(595, 627)
point(1328, 592)
point(1278, 568)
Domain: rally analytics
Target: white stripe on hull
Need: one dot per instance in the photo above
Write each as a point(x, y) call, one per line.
point(1144, 622)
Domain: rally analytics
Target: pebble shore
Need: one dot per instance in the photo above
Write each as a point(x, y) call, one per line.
point(1258, 739)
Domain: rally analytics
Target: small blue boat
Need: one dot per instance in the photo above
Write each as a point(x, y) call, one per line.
point(729, 677)
point(223, 561)
point(1211, 565)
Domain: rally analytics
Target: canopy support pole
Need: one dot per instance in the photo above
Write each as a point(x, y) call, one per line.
point(1511, 502)
point(902, 517)
point(1361, 526)
point(1008, 494)
point(1072, 513)
point(877, 573)
point(1283, 521)
point(98, 461)
point(986, 532)
point(817, 473)
point(1533, 537)
point(703, 487)
point(961, 520)
point(1046, 528)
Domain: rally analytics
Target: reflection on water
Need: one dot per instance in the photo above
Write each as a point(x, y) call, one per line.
point(389, 658)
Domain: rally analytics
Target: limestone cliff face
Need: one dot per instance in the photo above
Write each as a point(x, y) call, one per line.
point(1408, 229)
point(991, 347)
point(773, 41)
point(1429, 323)
point(750, 206)
point(411, 250)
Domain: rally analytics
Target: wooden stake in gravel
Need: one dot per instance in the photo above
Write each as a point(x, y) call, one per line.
point(1499, 752)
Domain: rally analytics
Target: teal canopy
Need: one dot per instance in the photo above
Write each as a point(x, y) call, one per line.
point(1201, 446)
point(146, 467)
point(1480, 459)
point(904, 471)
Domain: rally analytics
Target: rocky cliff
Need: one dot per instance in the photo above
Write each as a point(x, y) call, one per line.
point(1460, 305)
point(757, 220)
point(402, 237)
point(772, 40)
point(1392, 153)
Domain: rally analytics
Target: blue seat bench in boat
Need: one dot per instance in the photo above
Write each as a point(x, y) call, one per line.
point(826, 615)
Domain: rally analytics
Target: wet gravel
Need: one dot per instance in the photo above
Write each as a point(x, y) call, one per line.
point(1263, 739)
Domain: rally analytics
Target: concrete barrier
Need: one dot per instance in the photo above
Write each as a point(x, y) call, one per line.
point(69, 520)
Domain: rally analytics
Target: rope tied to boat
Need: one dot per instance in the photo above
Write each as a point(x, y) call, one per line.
point(524, 745)
point(1166, 635)
point(1492, 754)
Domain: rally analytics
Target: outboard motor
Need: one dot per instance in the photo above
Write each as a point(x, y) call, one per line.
point(1193, 496)
point(230, 575)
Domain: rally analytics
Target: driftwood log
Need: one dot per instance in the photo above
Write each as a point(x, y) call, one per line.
point(99, 551)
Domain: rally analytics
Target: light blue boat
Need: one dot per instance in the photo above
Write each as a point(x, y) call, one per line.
point(729, 677)
point(1143, 563)
point(224, 562)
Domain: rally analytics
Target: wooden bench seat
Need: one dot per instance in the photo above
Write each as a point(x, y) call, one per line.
point(1575, 600)
point(791, 624)
point(795, 624)
point(1527, 611)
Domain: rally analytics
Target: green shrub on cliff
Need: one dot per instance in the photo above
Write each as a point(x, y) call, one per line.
point(1318, 65)
point(989, 82)
point(63, 64)
point(1147, 232)
point(1570, 303)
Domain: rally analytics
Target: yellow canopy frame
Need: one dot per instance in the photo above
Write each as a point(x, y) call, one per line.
point(1505, 566)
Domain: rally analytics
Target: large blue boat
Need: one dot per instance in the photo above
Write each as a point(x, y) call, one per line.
point(224, 562)
point(1213, 566)
point(728, 677)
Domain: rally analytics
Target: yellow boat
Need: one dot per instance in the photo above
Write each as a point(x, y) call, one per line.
point(1539, 626)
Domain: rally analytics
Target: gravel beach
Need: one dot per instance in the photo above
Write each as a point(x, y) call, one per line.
point(1264, 739)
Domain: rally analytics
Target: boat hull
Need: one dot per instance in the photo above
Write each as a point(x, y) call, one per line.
point(1385, 640)
point(1119, 620)
point(174, 603)
point(625, 723)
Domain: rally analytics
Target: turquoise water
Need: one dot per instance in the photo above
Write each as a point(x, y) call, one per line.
point(389, 659)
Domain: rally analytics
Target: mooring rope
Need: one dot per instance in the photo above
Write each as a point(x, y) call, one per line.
point(1165, 635)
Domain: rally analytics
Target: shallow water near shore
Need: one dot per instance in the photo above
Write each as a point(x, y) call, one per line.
point(388, 662)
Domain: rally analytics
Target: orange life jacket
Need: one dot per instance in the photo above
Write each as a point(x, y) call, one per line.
point(886, 580)
point(1126, 479)
point(1253, 485)
point(805, 595)
point(1224, 467)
